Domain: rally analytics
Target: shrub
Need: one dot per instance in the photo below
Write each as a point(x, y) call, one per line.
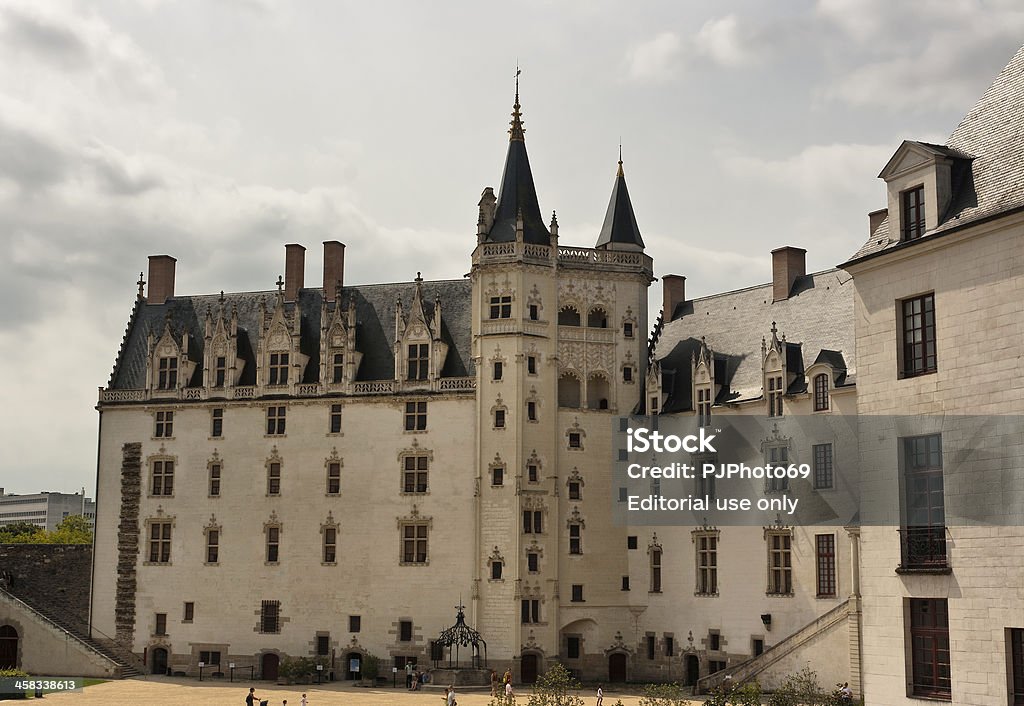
point(663, 695)
point(553, 688)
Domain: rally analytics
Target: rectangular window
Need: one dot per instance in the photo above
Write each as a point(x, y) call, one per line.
point(705, 484)
point(414, 543)
point(780, 563)
point(707, 564)
point(405, 630)
point(167, 374)
point(162, 482)
point(499, 419)
point(278, 373)
point(670, 646)
point(164, 425)
point(333, 477)
point(651, 643)
point(775, 391)
point(498, 475)
point(704, 406)
point(323, 645)
point(575, 539)
point(530, 611)
point(212, 546)
point(631, 542)
point(825, 558)
point(531, 411)
point(777, 456)
point(574, 490)
point(575, 440)
point(337, 368)
point(534, 312)
point(161, 624)
point(923, 536)
point(912, 213)
point(414, 476)
point(498, 370)
point(214, 480)
point(572, 647)
point(496, 568)
point(821, 393)
point(220, 371)
point(270, 614)
point(625, 583)
point(334, 426)
point(627, 374)
point(531, 364)
point(532, 562)
point(415, 416)
point(757, 646)
point(276, 420)
point(355, 623)
point(532, 474)
point(714, 641)
point(929, 637)
point(532, 521)
point(918, 329)
point(217, 422)
point(655, 570)
point(501, 307)
point(273, 544)
point(822, 459)
point(419, 361)
point(190, 611)
point(654, 405)
point(273, 478)
point(330, 545)
point(1015, 636)
point(627, 329)
point(577, 593)
point(159, 542)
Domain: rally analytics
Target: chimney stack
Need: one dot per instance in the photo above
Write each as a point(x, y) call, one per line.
point(875, 219)
point(294, 270)
point(334, 268)
point(673, 293)
point(161, 279)
point(788, 263)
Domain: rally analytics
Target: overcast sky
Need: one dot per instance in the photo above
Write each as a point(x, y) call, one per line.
point(217, 131)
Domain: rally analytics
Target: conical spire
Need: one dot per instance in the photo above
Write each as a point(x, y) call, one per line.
point(620, 225)
point(518, 195)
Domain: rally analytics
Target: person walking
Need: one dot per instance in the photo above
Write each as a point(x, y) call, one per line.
point(450, 697)
point(494, 683)
point(408, 675)
point(252, 699)
point(509, 695)
point(303, 702)
point(600, 696)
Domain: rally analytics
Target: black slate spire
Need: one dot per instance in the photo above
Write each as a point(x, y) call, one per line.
point(620, 222)
point(518, 194)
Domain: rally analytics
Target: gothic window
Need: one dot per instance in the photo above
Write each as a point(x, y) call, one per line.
point(569, 391)
point(333, 477)
point(274, 477)
point(531, 365)
point(775, 392)
point(703, 406)
point(414, 474)
point(575, 538)
point(418, 361)
point(273, 535)
point(597, 318)
point(214, 479)
point(337, 368)
point(220, 371)
point(655, 562)
point(628, 329)
point(329, 533)
point(706, 545)
point(278, 372)
point(530, 611)
point(569, 316)
point(414, 542)
point(212, 536)
point(159, 541)
point(501, 307)
point(497, 370)
point(167, 373)
point(162, 477)
point(533, 521)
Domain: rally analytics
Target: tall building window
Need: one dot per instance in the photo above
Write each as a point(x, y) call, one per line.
point(163, 427)
point(705, 484)
point(498, 475)
point(190, 612)
point(572, 647)
point(161, 624)
point(276, 420)
point(330, 545)
point(333, 477)
point(419, 361)
point(217, 422)
point(533, 522)
point(533, 562)
point(499, 419)
point(532, 473)
point(704, 406)
point(923, 537)
point(212, 546)
point(929, 637)
point(531, 364)
point(220, 371)
point(414, 475)
point(162, 482)
point(334, 426)
point(323, 645)
point(530, 611)
point(273, 544)
point(270, 616)
point(707, 563)
point(822, 459)
point(574, 490)
point(625, 583)
point(414, 543)
point(670, 646)
point(912, 213)
point(278, 372)
point(627, 329)
point(498, 370)
point(656, 569)
point(405, 631)
point(575, 440)
point(531, 411)
point(651, 642)
point(577, 593)
point(919, 335)
point(627, 373)
point(534, 312)
point(167, 373)
point(337, 368)
point(415, 416)
point(777, 456)
point(214, 490)
point(355, 623)
point(274, 478)
point(575, 538)
point(775, 391)
point(159, 542)
point(821, 392)
point(496, 567)
point(501, 307)
point(1015, 636)
point(780, 563)
point(825, 559)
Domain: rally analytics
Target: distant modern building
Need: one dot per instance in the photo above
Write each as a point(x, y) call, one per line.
point(46, 509)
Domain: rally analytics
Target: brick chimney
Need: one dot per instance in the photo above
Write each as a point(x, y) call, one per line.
point(161, 279)
point(294, 270)
point(334, 267)
point(788, 263)
point(875, 219)
point(673, 293)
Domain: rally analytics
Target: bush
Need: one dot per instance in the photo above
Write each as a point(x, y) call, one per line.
point(370, 667)
point(800, 689)
point(663, 695)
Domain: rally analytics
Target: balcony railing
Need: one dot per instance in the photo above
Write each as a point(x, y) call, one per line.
point(923, 548)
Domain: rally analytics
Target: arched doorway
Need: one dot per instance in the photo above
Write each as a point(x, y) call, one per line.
point(158, 661)
point(353, 665)
point(528, 668)
point(617, 667)
point(268, 666)
point(8, 647)
point(692, 670)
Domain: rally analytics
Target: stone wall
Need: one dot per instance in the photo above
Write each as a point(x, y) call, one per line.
point(53, 576)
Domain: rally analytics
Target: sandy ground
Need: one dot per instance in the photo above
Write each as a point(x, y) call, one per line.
point(190, 692)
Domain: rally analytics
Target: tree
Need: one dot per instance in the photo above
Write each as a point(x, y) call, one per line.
point(16, 531)
point(553, 689)
point(73, 529)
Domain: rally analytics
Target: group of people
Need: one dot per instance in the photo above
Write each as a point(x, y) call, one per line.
point(253, 700)
point(414, 677)
point(506, 688)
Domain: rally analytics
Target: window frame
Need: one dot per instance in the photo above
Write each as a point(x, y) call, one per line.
point(417, 362)
point(415, 474)
point(823, 466)
point(706, 562)
point(163, 424)
point(915, 359)
point(912, 213)
point(270, 616)
point(217, 423)
point(415, 543)
point(826, 581)
point(780, 562)
point(161, 477)
point(277, 417)
point(929, 633)
point(820, 386)
point(277, 368)
point(500, 307)
point(334, 419)
point(416, 416)
point(160, 535)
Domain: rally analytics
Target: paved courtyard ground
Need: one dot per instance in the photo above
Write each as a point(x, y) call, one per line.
point(190, 692)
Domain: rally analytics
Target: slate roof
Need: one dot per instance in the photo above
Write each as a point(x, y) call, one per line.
point(987, 148)
point(375, 328)
point(620, 220)
point(817, 320)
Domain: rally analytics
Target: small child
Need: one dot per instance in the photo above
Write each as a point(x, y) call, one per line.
point(600, 696)
point(303, 702)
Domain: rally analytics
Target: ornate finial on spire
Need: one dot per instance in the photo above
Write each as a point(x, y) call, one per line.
point(554, 219)
point(516, 131)
point(620, 172)
point(280, 284)
point(775, 329)
point(419, 277)
point(221, 299)
point(141, 283)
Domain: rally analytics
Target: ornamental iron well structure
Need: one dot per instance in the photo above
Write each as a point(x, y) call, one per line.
point(460, 637)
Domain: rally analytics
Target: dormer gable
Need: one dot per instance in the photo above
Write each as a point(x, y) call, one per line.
point(222, 366)
point(419, 351)
point(280, 362)
point(339, 359)
point(168, 366)
point(919, 186)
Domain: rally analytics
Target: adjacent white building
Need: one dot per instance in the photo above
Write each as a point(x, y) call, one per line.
point(46, 510)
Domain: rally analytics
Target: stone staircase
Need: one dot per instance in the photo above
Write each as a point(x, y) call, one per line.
point(750, 669)
point(128, 665)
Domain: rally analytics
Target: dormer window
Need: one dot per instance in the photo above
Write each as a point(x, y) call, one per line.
point(704, 406)
point(278, 369)
point(821, 392)
point(501, 307)
point(419, 361)
point(168, 373)
point(912, 213)
point(337, 368)
point(220, 371)
point(775, 390)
